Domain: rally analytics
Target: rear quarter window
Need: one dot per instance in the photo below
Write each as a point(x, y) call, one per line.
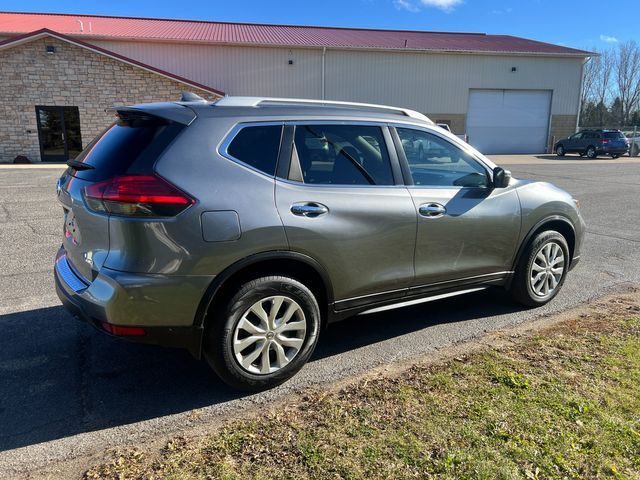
point(257, 146)
point(126, 147)
point(614, 135)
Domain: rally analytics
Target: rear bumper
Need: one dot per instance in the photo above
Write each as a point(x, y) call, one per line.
point(150, 302)
point(613, 151)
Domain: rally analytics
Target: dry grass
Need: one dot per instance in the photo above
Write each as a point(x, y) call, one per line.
point(563, 403)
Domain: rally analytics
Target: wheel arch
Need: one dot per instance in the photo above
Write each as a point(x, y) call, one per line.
point(293, 264)
point(557, 223)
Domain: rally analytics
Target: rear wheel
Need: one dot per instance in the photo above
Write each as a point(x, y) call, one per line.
point(542, 269)
point(560, 151)
point(591, 152)
point(265, 333)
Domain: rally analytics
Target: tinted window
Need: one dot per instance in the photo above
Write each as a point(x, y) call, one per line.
point(342, 155)
point(577, 136)
point(614, 135)
point(126, 147)
point(257, 146)
point(434, 161)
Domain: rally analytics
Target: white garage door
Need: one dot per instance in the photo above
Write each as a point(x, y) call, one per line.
point(509, 121)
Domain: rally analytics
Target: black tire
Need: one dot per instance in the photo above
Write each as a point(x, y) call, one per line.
point(591, 152)
point(520, 288)
point(218, 338)
point(560, 151)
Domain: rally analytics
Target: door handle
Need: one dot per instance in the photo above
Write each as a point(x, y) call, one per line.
point(432, 210)
point(308, 209)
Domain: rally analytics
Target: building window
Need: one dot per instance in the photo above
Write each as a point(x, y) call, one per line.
point(59, 133)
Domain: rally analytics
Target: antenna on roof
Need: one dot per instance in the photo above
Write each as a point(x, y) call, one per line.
point(190, 97)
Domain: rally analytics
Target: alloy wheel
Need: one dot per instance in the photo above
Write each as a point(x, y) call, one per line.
point(547, 269)
point(269, 335)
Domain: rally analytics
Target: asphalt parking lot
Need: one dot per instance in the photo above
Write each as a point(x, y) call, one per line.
point(67, 390)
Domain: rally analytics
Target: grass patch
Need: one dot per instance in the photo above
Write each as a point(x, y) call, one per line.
point(562, 404)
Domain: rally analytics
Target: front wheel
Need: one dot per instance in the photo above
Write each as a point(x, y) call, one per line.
point(560, 151)
point(264, 335)
point(591, 152)
point(542, 269)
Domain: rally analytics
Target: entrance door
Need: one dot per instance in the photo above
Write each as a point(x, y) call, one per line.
point(59, 133)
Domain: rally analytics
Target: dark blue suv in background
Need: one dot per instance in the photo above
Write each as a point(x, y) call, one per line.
point(591, 143)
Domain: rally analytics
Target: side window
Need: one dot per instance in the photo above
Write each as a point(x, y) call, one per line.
point(577, 136)
point(434, 161)
point(342, 155)
point(257, 146)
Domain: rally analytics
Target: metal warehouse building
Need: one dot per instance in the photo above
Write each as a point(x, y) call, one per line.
point(59, 72)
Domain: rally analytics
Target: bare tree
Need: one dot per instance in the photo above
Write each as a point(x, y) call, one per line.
point(627, 77)
point(590, 76)
point(602, 83)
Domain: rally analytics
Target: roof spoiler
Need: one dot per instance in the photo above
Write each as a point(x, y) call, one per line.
point(173, 112)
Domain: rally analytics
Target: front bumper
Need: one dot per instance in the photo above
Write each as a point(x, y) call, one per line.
point(164, 306)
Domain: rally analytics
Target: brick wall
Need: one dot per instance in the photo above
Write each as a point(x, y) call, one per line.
point(72, 76)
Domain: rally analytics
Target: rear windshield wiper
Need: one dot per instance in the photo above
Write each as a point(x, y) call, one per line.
point(79, 165)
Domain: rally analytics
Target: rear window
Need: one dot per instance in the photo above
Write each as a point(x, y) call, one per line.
point(126, 147)
point(257, 146)
point(613, 135)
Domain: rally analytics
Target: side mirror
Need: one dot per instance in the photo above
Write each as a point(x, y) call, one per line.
point(501, 177)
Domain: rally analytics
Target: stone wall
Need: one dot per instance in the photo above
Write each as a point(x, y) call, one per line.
point(72, 76)
point(457, 121)
point(562, 126)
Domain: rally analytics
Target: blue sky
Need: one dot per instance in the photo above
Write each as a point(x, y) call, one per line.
point(574, 23)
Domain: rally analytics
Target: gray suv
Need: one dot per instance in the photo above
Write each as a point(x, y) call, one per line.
point(239, 229)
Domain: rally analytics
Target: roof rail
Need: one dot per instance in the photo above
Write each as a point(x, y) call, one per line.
point(232, 101)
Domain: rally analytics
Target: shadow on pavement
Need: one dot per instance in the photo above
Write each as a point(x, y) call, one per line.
point(576, 157)
point(60, 377)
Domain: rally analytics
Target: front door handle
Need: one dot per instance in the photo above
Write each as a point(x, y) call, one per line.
point(309, 209)
point(432, 210)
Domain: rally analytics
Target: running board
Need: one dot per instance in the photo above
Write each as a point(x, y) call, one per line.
point(421, 300)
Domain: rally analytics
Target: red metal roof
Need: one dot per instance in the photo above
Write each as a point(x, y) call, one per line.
point(93, 26)
point(18, 39)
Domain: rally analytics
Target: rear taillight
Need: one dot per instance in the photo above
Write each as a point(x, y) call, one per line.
point(137, 195)
point(604, 140)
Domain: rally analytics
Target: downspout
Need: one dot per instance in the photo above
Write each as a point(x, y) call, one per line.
point(324, 54)
point(580, 92)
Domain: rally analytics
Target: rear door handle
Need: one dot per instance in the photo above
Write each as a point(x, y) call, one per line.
point(432, 210)
point(309, 209)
